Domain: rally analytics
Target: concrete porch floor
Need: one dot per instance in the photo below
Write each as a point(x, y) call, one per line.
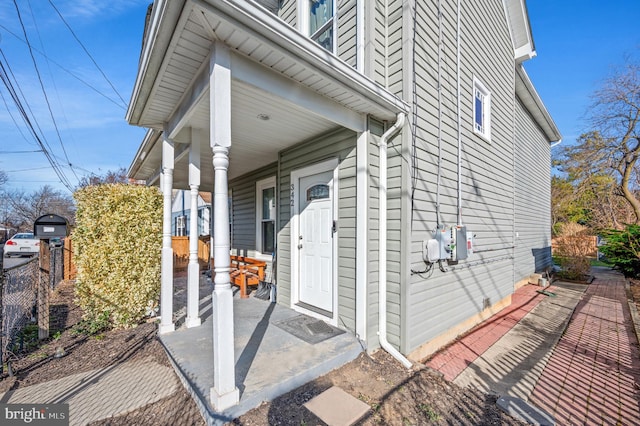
point(269, 361)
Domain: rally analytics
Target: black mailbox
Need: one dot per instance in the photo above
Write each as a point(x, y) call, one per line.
point(50, 226)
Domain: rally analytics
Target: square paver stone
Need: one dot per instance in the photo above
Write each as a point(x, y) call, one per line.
point(335, 407)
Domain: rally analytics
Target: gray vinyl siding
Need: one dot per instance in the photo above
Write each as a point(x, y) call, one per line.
point(438, 301)
point(533, 197)
point(289, 12)
point(347, 34)
point(340, 144)
point(379, 40)
point(376, 129)
point(386, 21)
point(395, 252)
point(243, 208)
point(394, 44)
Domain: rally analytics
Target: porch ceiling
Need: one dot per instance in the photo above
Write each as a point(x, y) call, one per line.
point(302, 89)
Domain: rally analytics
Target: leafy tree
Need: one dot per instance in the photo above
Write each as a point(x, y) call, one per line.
point(566, 206)
point(622, 249)
point(612, 148)
point(592, 202)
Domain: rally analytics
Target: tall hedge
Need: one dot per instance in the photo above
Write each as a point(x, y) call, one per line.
point(117, 245)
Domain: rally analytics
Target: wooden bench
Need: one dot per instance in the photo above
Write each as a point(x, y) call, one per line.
point(245, 271)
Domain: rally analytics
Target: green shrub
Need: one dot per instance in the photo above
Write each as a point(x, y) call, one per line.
point(622, 249)
point(117, 245)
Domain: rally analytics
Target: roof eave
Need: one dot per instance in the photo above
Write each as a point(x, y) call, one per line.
point(164, 16)
point(528, 94)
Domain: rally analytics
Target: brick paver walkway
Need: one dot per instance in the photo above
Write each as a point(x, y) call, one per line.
point(452, 360)
point(593, 374)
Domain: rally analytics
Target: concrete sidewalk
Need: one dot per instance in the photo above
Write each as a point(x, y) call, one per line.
point(572, 356)
point(103, 393)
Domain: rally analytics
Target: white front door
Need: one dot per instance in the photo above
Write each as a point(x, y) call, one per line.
point(315, 240)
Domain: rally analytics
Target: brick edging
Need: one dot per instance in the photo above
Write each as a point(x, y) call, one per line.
point(635, 317)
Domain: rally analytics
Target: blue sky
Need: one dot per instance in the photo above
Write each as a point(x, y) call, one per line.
point(89, 114)
point(577, 43)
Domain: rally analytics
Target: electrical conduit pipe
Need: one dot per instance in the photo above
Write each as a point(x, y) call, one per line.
point(382, 245)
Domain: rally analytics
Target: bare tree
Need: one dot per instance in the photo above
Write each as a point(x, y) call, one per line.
point(612, 147)
point(25, 208)
point(111, 176)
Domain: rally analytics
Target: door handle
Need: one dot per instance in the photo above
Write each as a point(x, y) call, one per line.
point(299, 246)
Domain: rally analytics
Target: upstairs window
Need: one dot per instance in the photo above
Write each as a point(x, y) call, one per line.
point(321, 22)
point(481, 110)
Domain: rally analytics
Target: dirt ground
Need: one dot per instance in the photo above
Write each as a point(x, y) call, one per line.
point(396, 397)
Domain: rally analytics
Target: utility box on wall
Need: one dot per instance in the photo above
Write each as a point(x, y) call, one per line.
point(449, 243)
point(459, 243)
point(50, 226)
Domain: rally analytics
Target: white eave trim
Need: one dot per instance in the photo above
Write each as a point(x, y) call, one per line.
point(520, 29)
point(530, 98)
point(150, 139)
point(165, 13)
point(271, 30)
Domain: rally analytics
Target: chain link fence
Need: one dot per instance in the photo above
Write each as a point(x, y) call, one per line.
point(20, 303)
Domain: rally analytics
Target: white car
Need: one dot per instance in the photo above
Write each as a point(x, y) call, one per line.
point(21, 244)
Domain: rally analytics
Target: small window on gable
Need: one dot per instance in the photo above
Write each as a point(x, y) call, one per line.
point(266, 215)
point(321, 22)
point(481, 110)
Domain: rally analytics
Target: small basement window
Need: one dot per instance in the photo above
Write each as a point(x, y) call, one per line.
point(481, 110)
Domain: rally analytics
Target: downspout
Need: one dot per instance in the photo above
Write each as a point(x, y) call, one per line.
point(382, 245)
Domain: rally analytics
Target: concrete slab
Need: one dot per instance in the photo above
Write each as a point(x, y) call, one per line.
point(269, 360)
point(335, 407)
point(512, 366)
point(100, 394)
point(522, 410)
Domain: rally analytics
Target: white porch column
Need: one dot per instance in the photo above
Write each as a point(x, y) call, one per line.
point(224, 394)
point(193, 283)
point(166, 286)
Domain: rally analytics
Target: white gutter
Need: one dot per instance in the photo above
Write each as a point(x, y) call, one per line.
point(382, 245)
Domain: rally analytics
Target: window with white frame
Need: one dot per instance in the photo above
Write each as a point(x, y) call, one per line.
point(481, 110)
point(266, 215)
point(319, 17)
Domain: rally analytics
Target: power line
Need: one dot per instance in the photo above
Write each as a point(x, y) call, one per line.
point(44, 92)
point(20, 152)
point(65, 69)
point(16, 99)
point(87, 52)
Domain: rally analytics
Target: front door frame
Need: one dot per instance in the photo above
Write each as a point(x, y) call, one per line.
point(296, 175)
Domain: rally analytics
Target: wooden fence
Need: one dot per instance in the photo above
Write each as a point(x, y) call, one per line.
point(181, 252)
point(70, 269)
point(180, 255)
